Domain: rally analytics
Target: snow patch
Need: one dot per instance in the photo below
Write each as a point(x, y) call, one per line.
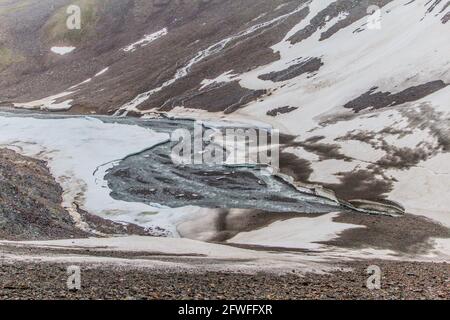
point(425, 189)
point(146, 40)
point(298, 233)
point(223, 78)
point(90, 79)
point(48, 103)
point(102, 72)
point(62, 50)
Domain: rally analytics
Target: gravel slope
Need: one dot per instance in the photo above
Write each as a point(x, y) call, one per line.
point(30, 201)
point(400, 280)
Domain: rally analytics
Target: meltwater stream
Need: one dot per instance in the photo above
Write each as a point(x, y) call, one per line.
point(120, 169)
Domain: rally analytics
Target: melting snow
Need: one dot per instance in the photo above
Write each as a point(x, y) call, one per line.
point(48, 103)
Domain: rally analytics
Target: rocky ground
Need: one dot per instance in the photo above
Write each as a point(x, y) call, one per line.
point(400, 280)
point(30, 201)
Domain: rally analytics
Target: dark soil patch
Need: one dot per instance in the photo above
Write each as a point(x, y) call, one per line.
point(309, 66)
point(407, 234)
point(360, 184)
point(378, 100)
point(280, 111)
